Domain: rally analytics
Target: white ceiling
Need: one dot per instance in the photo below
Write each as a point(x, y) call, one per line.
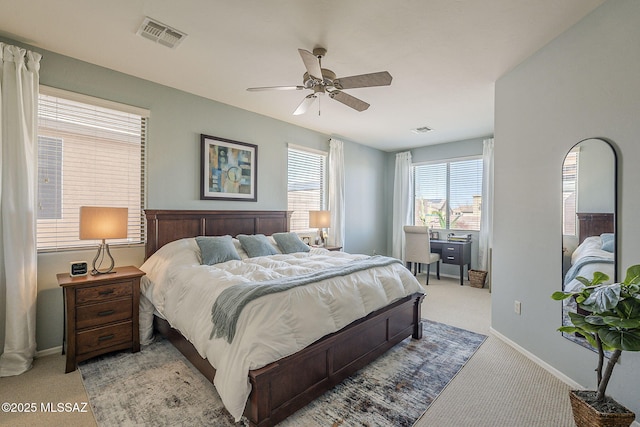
point(444, 55)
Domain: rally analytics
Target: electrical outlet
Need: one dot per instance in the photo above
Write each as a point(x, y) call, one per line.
point(517, 306)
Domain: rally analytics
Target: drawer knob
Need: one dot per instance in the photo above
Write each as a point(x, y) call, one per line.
point(451, 257)
point(107, 292)
point(451, 249)
point(106, 312)
point(106, 337)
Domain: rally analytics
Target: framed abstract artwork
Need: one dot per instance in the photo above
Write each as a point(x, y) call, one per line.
point(229, 169)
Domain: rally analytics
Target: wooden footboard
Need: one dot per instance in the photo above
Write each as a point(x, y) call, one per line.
point(282, 387)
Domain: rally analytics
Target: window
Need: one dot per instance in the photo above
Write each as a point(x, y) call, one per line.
point(448, 195)
point(90, 153)
point(49, 177)
point(569, 202)
point(306, 180)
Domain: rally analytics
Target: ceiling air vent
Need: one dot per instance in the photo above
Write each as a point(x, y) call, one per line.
point(423, 129)
point(160, 33)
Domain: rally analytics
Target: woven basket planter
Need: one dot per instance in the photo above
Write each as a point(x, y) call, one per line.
point(477, 278)
point(587, 416)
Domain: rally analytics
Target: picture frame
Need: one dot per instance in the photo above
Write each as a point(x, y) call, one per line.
point(229, 169)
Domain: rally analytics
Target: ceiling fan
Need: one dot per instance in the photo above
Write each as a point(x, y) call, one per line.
point(322, 80)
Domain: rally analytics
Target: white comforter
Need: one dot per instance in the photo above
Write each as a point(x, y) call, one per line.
point(269, 328)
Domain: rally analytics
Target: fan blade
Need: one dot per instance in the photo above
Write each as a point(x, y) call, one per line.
point(305, 104)
point(311, 63)
point(258, 89)
point(349, 101)
point(383, 78)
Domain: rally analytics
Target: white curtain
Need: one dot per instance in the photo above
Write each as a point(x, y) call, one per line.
point(486, 224)
point(19, 81)
point(336, 192)
point(402, 202)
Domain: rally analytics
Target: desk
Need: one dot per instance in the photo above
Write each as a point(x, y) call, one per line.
point(458, 253)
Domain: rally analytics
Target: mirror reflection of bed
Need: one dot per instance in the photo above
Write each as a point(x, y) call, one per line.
point(589, 200)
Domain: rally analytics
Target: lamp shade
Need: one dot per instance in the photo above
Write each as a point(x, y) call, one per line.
point(319, 219)
point(98, 223)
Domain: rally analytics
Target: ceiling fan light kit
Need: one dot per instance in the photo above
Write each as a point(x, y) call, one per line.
point(322, 80)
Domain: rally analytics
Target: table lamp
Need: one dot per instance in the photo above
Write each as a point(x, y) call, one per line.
point(320, 220)
point(101, 223)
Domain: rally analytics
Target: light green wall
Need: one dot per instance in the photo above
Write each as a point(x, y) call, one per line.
point(173, 158)
point(583, 84)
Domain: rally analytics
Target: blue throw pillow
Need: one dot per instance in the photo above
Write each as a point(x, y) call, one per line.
point(290, 243)
point(256, 245)
point(608, 242)
point(214, 250)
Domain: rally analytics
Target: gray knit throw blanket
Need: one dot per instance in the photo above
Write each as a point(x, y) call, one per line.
point(227, 308)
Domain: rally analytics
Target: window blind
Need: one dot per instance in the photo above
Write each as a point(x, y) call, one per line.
point(569, 202)
point(306, 190)
point(448, 195)
point(89, 155)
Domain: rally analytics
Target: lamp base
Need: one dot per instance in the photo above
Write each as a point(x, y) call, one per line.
point(98, 272)
point(103, 250)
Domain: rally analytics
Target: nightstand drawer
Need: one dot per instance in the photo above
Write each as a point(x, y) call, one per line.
point(103, 313)
point(108, 336)
point(103, 292)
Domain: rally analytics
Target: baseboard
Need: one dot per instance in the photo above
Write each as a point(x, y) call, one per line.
point(535, 359)
point(49, 352)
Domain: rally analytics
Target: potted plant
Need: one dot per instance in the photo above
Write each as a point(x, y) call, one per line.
point(611, 322)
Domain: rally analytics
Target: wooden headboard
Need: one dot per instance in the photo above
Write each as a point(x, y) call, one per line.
point(594, 224)
point(164, 226)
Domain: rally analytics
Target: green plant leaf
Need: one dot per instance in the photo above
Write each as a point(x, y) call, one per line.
point(579, 321)
point(633, 275)
point(620, 339)
point(621, 323)
point(559, 296)
point(629, 308)
point(590, 337)
point(569, 329)
point(595, 320)
point(598, 278)
point(584, 281)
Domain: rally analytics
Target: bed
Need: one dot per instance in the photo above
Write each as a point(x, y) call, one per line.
point(596, 251)
point(388, 313)
point(590, 257)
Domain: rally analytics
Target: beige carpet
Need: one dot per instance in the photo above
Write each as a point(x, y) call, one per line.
point(497, 387)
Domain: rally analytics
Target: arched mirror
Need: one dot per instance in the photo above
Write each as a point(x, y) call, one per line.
point(589, 200)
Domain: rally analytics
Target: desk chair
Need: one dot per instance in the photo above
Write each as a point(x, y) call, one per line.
point(418, 250)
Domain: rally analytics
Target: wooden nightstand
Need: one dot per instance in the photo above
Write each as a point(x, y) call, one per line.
point(101, 313)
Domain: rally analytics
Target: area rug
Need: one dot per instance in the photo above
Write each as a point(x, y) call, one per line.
point(159, 387)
